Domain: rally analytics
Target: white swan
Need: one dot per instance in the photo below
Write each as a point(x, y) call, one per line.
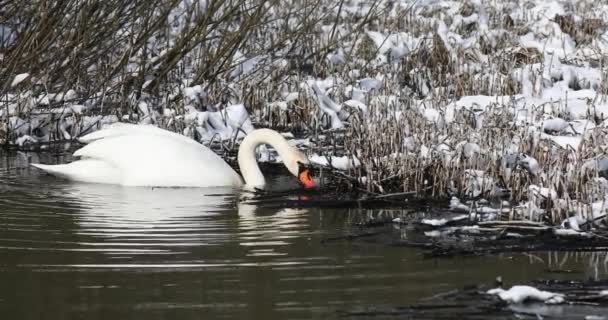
point(143, 155)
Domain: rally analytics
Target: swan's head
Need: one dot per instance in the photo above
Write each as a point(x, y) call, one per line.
point(298, 165)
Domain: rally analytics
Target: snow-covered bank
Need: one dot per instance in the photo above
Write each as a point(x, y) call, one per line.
point(462, 98)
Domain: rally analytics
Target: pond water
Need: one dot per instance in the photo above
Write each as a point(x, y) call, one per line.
point(85, 251)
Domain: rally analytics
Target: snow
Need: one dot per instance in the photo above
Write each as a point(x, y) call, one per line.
point(519, 294)
point(477, 182)
point(19, 78)
point(504, 98)
point(455, 204)
point(434, 222)
point(368, 84)
point(356, 104)
point(571, 233)
point(76, 109)
point(556, 124)
point(530, 164)
point(279, 104)
point(443, 221)
point(470, 150)
point(193, 93)
point(433, 234)
point(328, 106)
point(540, 192)
point(342, 163)
point(25, 139)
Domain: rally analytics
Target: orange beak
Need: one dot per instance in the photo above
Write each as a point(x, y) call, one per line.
point(305, 178)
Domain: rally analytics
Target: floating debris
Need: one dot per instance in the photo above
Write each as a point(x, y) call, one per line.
point(536, 300)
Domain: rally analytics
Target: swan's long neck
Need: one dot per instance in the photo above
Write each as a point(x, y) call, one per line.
point(247, 157)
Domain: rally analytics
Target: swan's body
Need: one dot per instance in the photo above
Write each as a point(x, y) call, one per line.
point(139, 155)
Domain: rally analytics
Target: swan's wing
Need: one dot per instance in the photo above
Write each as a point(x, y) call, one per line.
point(140, 155)
point(161, 160)
point(125, 129)
point(86, 170)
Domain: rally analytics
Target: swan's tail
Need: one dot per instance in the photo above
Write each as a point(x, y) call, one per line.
point(84, 170)
point(57, 170)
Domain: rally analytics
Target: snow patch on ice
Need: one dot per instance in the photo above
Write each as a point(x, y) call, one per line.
point(519, 294)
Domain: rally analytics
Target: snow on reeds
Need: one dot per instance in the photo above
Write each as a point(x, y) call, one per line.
point(467, 98)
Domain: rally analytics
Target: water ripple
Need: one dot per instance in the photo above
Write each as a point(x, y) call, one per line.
point(44, 215)
point(91, 250)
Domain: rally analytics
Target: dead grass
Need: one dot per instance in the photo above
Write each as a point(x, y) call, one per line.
point(584, 32)
point(113, 67)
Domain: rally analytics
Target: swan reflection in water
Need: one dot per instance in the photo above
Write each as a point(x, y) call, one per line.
point(178, 220)
point(266, 231)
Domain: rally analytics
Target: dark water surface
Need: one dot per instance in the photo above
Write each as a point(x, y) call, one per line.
point(85, 251)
